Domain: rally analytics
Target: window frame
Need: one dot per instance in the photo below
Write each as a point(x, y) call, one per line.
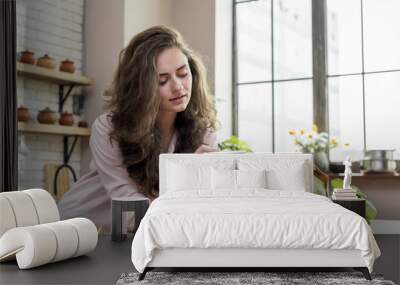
point(319, 77)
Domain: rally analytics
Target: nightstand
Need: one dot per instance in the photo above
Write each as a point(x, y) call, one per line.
point(357, 206)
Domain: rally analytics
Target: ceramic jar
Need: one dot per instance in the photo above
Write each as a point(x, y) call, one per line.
point(27, 57)
point(46, 62)
point(67, 66)
point(23, 114)
point(66, 119)
point(47, 116)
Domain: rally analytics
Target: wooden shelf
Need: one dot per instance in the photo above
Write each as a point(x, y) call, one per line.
point(53, 129)
point(368, 175)
point(51, 75)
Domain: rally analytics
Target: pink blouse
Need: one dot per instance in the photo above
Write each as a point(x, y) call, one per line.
point(91, 195)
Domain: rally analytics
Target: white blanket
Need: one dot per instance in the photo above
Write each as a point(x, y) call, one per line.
point(252, 218)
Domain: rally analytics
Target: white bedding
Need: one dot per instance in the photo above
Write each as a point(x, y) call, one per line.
point(251, 218)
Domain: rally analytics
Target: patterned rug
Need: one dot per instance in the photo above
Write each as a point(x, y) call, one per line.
point(242, 278)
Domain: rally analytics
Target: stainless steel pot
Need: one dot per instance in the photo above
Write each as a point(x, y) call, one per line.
point(379, 154)
point(379, 165)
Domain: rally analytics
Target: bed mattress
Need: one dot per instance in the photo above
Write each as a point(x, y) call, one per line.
point(250, 219)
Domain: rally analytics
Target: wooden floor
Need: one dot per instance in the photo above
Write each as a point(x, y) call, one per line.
point(111, 259)
point(102, 266)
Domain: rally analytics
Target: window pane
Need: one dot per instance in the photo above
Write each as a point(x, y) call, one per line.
point(382, 34)
point(292, 39)
point(255, 120)
point(346, 116)
point(344, 36)
point(293, 110)
point(382, 103)
point(253, 41)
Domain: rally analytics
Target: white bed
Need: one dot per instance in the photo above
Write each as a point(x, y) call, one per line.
point(247, 210)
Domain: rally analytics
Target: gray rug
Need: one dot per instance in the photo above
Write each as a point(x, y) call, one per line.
point(230, 278)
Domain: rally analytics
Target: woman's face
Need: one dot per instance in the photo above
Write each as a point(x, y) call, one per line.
point(175, 80)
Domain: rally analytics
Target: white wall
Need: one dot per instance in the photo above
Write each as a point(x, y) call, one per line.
point(54, 28)
point(223, 66)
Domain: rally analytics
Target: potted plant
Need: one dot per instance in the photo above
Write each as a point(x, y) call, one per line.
point(316, 143)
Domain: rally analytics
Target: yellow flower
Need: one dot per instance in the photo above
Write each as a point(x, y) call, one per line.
point(302, 132)
point(315, 128)
point(334, 141)
point(292, 132)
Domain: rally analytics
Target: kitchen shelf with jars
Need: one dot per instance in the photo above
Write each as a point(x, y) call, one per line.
point(43, 69)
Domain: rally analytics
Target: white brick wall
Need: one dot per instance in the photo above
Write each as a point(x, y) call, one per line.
point(53, 27)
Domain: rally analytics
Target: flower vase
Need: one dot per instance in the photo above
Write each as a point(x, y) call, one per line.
point(321, 161)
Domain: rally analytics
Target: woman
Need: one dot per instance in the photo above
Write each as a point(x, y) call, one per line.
point(159, 103)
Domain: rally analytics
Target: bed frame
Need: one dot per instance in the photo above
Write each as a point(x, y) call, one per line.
point(260, 259)
point(246, 259)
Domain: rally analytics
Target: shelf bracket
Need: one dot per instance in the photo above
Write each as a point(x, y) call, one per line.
point(62, 98)
point(67, 156)
point(68, 153)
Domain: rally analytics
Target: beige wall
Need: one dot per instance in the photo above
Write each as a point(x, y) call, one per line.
point(384, 193)
point(140, 15)
point(104, 39)
point(196, 21)
point(109, 26)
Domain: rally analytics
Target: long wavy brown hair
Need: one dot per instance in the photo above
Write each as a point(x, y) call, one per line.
point(134, 105)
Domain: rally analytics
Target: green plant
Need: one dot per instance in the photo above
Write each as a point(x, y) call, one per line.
point(234, 144)
point(370, 210)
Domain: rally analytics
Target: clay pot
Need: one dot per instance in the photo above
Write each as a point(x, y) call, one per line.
point(27, 57)
point(67, 66)
point(66, 119)
point(46, 62)
point(23, 114)
point(47, 116)
point(83, 124)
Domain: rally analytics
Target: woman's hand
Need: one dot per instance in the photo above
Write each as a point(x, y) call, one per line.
point(204, 148)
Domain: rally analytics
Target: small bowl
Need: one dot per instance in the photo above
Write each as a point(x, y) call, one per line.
point(66, 119)
point(83, 124)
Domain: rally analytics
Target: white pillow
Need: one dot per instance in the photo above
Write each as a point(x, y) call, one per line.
point(223, 179)
point(226, 179)
point(282, 173)
point(292, 179)
point(182, 177)
point(251, 178)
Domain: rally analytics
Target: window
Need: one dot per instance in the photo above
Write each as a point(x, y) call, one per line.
point(364, 73)
point(274, 71)
point(273, 79)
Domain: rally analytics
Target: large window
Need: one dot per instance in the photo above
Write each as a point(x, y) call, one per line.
point(274, 72)
point(364, 73)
